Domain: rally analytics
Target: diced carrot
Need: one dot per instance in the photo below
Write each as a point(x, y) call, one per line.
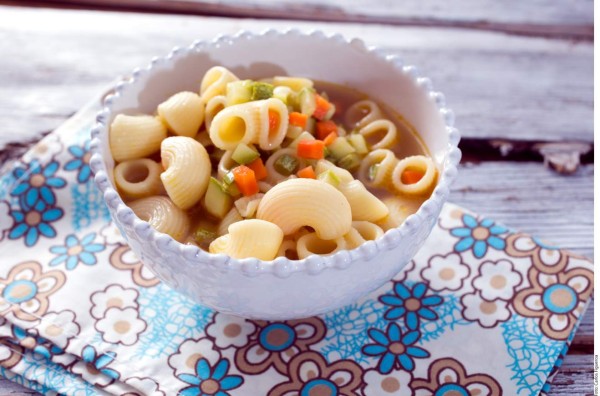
point(274, 119)
point(298, 119)
point(307, 173)
point(330, 138)
point(324, 128)
point(311, 149)
point(322, 107)
point(260, 171)
point(245, 180)
point(410, 176)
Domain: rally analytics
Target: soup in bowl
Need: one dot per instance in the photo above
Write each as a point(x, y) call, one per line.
point(265, 184)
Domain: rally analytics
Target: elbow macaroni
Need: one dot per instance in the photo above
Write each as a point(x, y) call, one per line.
point(187, 170)
point(215, 82)
point(183, 113)
point(294, 203)
point(138, 178)
point(163, 215)
point(133, 137)
point(420, 163)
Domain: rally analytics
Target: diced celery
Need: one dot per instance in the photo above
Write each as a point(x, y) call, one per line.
point(293, 131)
point(244, 154)
point(261, 90)
point(340, 148)
point(216, 201)
point(373, 171)
point(329, 113)
point(359, 143)
point(283, 93)
point(204, 234)
point(307, 100)
point(349, 162)
point(302, 137)
point(229, 185)
point(329, 177)
point(310, 125)
point(239, 92)
point(286, 165)
point(295, 83)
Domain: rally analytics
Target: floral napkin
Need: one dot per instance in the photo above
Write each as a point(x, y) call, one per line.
point(481, 310)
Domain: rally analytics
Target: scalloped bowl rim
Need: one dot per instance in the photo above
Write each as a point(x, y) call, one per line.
point(280, 266)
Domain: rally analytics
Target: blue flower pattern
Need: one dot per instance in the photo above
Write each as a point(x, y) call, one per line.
point(478, 236)
point(80, 162)
point(410, 304)
point(34, 223)
point(210, 381)
point(100, 361)
point(394, 348)
point(35, 183)
point(75, 251)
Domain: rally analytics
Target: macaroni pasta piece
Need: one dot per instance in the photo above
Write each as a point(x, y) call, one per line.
point(163, 216)
point(294, 203)
point(187, 170)
point(274, 176)
point(418, 163)
point(378, 127)
point(288, 249)
point(233, 216)
point(361, 232)
point(250, 238)
point(364, 205)
point(226, 164)
point(133, 137)
point(247, 206)
point(183, 113)
point(311, 244)
point(214, 106)
point(138, 178)
point(214, 82)
point(362, 113)
point(274, 124)
point(240, 123)
point(376, 168)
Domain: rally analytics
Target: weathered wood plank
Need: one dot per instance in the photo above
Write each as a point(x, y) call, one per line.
point(54, 61)
point(9, 388)
point(538, 17)
point(575, 377)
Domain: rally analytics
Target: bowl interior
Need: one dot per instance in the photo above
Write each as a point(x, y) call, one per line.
point(313, 56)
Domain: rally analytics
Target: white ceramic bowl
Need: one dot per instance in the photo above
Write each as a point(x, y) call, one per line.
point(281, 289)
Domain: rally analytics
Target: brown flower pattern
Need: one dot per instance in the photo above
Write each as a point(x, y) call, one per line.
point(10, 353)
point(557, 300)
point(274, 344)
point(448, 377)
point(26, 290)
point(545, 257)
point(310, 375)
point(122, 258)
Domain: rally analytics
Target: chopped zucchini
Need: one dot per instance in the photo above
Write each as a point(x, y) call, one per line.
point(307, 100)
point(293, 131)
point(204, 234)
point(229, 185)
point(329, 177)
point(350, 162)
point(311, 123)
point(329, 113)
point(359, 143)
point(216, 201)
point(239, 92)
point(244, 154)
point(286, 165)
point(340, 148)
point(373, 171)
point(303, 136)
point(261, 90)
point(284, 94)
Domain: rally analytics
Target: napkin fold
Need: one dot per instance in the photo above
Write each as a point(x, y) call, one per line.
point(480, 310)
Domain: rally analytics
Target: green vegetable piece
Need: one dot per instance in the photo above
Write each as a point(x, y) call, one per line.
point(244, 154)
point(204, 236)
point(329, 113)
point(311, 123)
point(373, 171)
point(359, 143)
point(329, 177)
point(307, 100)
point(229, 185)
point(340, 148)
point(302, 137)
point(350, 162)
point(261, 90)
point(216, 201)
point(239, 92)
point(286, 165)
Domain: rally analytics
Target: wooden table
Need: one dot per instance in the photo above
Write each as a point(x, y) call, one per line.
point(517, 74)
